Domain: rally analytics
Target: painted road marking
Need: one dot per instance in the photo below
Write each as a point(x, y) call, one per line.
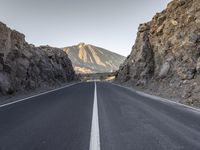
point(95, 138)
point(20, 100)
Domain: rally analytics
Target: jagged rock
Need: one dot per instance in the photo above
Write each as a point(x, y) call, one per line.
point(140, 64)
point(172, 34)
point(24, 66)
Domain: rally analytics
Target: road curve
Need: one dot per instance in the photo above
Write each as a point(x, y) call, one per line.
point(62, 120)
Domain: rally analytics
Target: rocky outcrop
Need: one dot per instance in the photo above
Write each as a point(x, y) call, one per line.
point(25, 67)
point(166, 54)
point(91, 59)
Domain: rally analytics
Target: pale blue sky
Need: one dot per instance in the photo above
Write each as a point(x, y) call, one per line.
point(111, 24)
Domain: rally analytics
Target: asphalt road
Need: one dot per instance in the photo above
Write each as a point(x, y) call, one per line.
point(65, 120)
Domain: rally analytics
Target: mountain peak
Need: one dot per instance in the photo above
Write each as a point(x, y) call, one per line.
point(82, 45)
point(91, 59)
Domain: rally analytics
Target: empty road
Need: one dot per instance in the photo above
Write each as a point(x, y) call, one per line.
point(97, 116)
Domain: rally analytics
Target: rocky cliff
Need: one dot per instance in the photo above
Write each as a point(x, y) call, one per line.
point(166, 56)
point(24, 66)
point(91, 59)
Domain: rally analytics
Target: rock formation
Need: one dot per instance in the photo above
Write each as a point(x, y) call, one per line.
point(91, 59)
point(24, 66)
point(166, 56)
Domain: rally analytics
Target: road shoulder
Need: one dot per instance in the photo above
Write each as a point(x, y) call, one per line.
point(5, 100)
point(158, 98)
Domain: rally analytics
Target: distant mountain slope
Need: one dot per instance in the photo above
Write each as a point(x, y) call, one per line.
point(91, 59)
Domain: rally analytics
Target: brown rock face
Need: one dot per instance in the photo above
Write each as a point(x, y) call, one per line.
point(24, 67)
point(10, 39)
point(166, 54)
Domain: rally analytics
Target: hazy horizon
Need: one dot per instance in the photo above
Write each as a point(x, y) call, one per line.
point(108, 24)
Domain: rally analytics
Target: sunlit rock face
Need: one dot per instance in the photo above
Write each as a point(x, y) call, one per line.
point(166, 54)
point(25, 67)
point(91, 59)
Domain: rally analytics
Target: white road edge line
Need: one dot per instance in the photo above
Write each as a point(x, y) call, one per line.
point(43, 93)
point(94, 137)
point(160, 98)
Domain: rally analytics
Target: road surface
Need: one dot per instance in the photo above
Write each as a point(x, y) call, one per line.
point(104, 116)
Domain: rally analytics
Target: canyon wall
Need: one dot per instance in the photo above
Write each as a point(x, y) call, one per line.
point(166, 56)
point(24, 66)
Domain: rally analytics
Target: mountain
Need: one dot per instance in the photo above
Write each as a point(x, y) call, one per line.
point(165, 58)
point(24, 66)
point(91, 59)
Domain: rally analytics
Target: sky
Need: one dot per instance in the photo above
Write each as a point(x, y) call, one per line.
point(110, 24)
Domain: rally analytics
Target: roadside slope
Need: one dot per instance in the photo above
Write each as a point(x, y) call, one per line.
point(165, 59)
point(25, 67)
